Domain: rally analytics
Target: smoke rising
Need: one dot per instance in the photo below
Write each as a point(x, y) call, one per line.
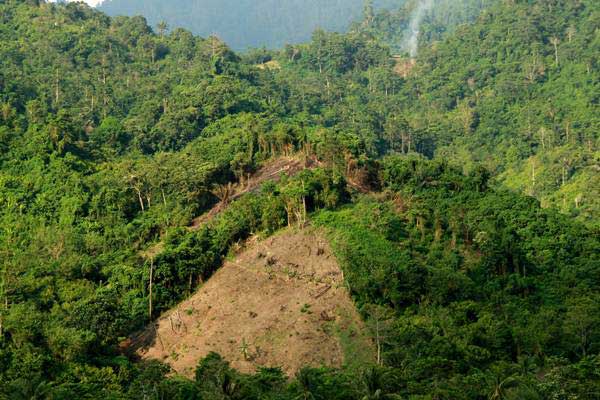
point(411, 35)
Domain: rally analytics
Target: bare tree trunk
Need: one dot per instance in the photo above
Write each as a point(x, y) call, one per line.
point(533, 179)
point(555, 41)
point(303, 206)
point(141, 200)
point(2, 317)
point(403, 137)
point(4, 294)
point(543, 138)
point(150, 289)
point(288, 211)
point(378, 342)
point(57, 89)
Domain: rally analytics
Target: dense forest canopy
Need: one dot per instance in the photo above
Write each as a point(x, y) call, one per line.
point(460, 192)
point(408, 24)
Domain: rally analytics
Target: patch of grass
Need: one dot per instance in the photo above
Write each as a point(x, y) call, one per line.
point(306, 309)
point(356, 343)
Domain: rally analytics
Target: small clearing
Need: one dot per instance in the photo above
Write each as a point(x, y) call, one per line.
point(404, 66)
point(272, 65)
point(280, 302)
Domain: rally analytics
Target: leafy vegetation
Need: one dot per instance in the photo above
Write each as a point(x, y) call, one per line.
point(516, 91)
point(461, 196)
point(247, 24)
point(469, 289)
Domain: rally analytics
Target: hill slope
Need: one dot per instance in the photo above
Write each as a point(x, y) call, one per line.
point(243, 24)
point(279, 303)
point(517, 90)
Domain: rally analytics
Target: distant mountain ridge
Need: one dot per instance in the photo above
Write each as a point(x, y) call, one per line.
point(248, 23)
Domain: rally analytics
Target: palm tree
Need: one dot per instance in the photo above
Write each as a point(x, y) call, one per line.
point(502, 387)
point(224, 192)
point(373, 380)
point(307, 384)
point(162, 28)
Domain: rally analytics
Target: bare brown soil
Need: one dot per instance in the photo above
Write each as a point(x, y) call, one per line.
point(272, 65)
point(280, 303)
point(404, 66)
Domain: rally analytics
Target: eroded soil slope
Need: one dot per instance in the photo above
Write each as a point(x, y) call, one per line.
point(280, 302)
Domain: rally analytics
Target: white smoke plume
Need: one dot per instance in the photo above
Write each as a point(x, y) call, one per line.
point(411, 35)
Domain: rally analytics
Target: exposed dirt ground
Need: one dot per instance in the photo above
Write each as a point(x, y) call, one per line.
point(404, 66)
point(279, 303)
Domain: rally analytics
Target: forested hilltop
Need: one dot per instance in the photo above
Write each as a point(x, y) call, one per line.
point(247, 23)
point(459, 193)
point(517, 91)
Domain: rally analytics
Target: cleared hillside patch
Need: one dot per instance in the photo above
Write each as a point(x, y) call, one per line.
point(280, 302)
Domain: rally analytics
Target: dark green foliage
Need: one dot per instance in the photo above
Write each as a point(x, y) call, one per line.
point(477, 283)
